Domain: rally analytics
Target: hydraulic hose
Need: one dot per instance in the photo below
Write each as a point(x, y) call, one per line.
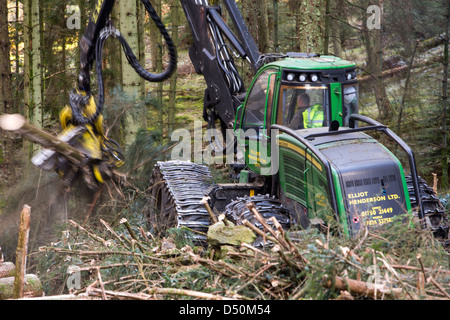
point(77, 101)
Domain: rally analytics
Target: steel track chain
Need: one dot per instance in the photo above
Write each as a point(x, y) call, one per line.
point(188, 183)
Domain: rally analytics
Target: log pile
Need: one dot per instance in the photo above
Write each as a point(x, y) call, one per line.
point(32, 286)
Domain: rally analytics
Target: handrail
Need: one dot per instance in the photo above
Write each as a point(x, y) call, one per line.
point(405, 147)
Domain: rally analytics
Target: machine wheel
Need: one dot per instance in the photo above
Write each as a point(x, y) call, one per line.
point(176, 189)
point(162, 214)
point(435, 215)
point(237, 211)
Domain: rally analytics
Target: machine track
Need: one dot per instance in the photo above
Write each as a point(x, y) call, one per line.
point(435, 216)
point(177, 187)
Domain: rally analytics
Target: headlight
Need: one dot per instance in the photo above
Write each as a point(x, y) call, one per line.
point(290, 77)
point(302, 77)
point(314, 77)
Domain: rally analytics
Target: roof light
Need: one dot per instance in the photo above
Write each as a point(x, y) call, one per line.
point(290, 77)
point(302, 77)
point(351, 75)
point(314, 77)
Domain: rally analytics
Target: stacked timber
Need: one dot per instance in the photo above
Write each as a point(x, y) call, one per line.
point(14, 282)
point(32, 286)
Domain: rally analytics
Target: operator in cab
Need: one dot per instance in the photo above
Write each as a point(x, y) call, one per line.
point(307, 116)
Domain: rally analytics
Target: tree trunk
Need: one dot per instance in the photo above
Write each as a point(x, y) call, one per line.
point(6, 96)
point(153, 34)
point(250, 16)
point(32, 66)
point(444, 152)
point(17, 123)
point(261, 14)
point(141, 39)
point(326, 42)
point(311, 30)
point(22, 251)
point(159, 67)
point(131, 82)
point(373, 43)
point(275, 26)
point(175, 8)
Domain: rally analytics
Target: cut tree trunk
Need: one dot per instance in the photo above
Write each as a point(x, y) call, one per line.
point(32, 287)
point(18, 124)
point(361, 288)
point(21, 252)
point(7, 269)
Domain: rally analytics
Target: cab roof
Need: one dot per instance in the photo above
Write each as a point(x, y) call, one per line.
point(313, 63)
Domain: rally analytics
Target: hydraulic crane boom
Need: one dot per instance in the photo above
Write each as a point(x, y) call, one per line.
point(212, 57)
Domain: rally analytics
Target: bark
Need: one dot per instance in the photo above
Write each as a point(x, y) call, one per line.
point(153, 35)
point(7, 269)
point(159, 68)
point(32, 287)
point(32, 67)
point(6, 96)
point(131, 82)
point(311, 30)
point(327, 27)
point(275, 26)
point(6, 100)
point(17, 123)
point(249, 13)
point(141, 39)
point(22, 251)
point(373, 43)
point(261, 14)
point(360, 288)
point(175, 8)
point(444, 152)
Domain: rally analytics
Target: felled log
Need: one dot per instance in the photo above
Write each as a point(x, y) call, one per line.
point(361, 288)
point(7, 269)
point(17, 123)
point(32, 287)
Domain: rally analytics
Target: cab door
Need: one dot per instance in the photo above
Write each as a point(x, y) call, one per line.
point(253, 136)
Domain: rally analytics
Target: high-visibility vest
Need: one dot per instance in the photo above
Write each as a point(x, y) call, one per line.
point(313, 117)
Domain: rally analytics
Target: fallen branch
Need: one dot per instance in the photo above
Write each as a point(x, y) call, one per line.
point(90, 234)
point(361, 287)
point(155, 291)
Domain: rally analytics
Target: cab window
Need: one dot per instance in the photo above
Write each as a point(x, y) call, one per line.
point(256, 101)
point(303, 106)
point(350, 103)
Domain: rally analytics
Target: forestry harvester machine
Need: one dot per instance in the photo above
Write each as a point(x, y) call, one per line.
point(306, 159)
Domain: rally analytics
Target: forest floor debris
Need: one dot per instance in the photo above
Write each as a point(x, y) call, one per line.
point(125, 262)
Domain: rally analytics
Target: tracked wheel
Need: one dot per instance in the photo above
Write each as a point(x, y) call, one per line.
point(237, 211)
point(435, 216)
point(162, 212)
point(176, 189)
